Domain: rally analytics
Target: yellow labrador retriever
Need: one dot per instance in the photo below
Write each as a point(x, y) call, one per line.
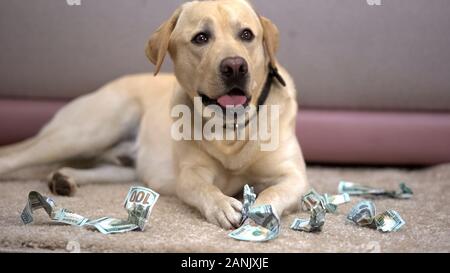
point(223, 53)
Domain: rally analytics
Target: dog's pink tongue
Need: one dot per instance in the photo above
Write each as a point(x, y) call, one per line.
point(231, 101)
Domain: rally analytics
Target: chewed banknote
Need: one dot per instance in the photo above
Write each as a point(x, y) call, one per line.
point(138, 203)
point(259, 224)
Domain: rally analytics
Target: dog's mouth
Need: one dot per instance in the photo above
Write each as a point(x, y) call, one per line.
point(235, 98)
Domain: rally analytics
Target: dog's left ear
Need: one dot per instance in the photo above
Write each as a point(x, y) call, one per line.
point(271, 39)
point(158, 45)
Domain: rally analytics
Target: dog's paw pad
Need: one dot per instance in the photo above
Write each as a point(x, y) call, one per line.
point(223, 213)
point(62, 185)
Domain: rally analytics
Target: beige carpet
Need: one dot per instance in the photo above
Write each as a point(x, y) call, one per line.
point(175, 227)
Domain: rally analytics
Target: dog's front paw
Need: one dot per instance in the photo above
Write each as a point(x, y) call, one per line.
point(62, 184)
point(224, 212)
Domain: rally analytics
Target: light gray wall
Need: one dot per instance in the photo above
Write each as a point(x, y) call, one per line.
point(341, 53)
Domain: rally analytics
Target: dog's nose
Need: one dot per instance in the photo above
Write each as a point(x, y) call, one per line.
point(234, 68)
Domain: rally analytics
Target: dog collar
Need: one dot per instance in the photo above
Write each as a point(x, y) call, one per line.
point(273, 74)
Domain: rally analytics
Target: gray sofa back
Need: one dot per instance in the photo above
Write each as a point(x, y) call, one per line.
point(342, 53)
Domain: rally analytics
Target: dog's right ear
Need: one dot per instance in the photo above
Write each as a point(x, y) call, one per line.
point(158, 45)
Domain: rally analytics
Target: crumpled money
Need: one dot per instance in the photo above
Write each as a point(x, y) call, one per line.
point(364, 214)
point(314, 224)
point(329, 203)
point(259, 224)
point(249, 200)
point(138, 203)
point(318, 205)
point(360, 190)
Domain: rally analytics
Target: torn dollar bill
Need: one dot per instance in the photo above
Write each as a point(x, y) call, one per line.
point(364, 214)
point(249, 200)
point(389, 221)
point(259, 224)
point(360, 190)
point(36, 201)
point(138, 203)
point(314, 224)
point(318, 205)
point(330, 203)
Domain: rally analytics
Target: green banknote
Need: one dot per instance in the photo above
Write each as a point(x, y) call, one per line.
point(66, 216)
point(364, 214)
point(252, 233)
point(318, 205)
point(351, 188)
point(259, 223)
point(266, 217)
point(36, 201)
point(139, 203)
point(330, 203)
point(314, 224)
point(311, 200)
point(249, 200)
point(107, 225)
point(389, 221)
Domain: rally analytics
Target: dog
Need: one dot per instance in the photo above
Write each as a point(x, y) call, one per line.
point(224, 53)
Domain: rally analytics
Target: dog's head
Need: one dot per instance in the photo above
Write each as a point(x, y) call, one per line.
point(221, 50)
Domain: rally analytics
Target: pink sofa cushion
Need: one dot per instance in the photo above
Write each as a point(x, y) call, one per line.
point(20, 119)
point(374, 137)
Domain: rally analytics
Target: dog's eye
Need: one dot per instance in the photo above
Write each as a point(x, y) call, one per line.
point(247, 35)
point(201, 38)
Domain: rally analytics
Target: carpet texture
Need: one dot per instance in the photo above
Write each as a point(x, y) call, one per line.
point(174, 227)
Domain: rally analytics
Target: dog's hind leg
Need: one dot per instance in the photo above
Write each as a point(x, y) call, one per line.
point(66, 180)
point(82, 129)
point(5, 150)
